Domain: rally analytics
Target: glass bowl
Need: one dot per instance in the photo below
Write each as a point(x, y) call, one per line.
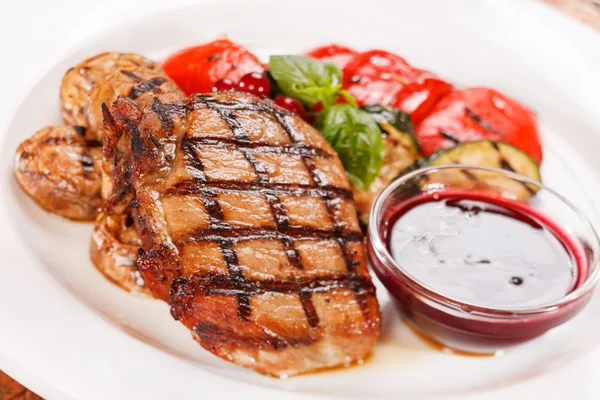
point(458, 324)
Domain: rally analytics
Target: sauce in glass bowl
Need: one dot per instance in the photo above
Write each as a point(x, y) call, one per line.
point(484, 250)
point(476, 267)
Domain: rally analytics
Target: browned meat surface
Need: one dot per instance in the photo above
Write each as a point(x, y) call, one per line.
point(131, 82)
point(114, 243)
point(60, 166)
point(248, 227)
point(60, 170)
point(122, 83)
point(79, 80)
point(113, 249)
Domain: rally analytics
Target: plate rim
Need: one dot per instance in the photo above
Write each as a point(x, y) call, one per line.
point(39, 384)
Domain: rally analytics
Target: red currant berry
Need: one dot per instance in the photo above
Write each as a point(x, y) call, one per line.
point(291, 104)
point(255, 83)
point(317, 107)
point(223, 85)
point(311, 115)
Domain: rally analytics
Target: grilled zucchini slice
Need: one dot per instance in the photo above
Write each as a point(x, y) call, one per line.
point(484, 153)
point(395, 122)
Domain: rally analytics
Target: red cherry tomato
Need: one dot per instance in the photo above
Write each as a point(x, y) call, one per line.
point(479, 113)
point(196, 69)
point(377, 76)
point(340, 55)
point(255, 83)
point(291, 104)
point(223, 85)
point(311, 114)
point(317, 107)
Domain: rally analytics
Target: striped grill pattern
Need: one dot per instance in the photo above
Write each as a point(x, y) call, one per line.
point(249, 229)
point(282, 230)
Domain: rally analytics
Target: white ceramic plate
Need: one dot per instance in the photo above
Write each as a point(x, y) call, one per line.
point(68, 333)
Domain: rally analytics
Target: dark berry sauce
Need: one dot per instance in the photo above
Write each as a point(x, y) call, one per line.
point(490, 252)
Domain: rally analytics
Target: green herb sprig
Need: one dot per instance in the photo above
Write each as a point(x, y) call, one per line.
point(352, 132)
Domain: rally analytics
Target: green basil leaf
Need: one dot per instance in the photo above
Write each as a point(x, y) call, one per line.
point(306, 79)
point(356, 138)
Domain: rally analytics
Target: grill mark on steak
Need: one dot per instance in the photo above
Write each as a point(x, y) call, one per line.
point(209, 201)
point(309, 309)
point(191, 187)
point(224, 110)
point(166, 111)
point(331, 205)
point(236, 275)
point(237, 234)
point(278, 212)
point(191, 160)
point(260, 147)
point(222, 285)
point(233, 314)
point(210, 333)
point(145, 86)
point(239, 134)
point(215, 212)
point(283, 225)
point(203, 101)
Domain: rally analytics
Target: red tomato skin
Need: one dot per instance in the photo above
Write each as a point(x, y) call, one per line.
point(420, 96)
point(291, 104)
point(196, 69)
point(336, 53)
point(377, 76)
point(255, 83)
point(510, 122)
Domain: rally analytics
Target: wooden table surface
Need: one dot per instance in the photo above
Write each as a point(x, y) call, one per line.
point(587, 11)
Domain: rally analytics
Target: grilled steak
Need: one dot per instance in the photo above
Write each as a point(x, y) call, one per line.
point(122, 83)
point(248, 228)
point(115, 241)
point(60, 170)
